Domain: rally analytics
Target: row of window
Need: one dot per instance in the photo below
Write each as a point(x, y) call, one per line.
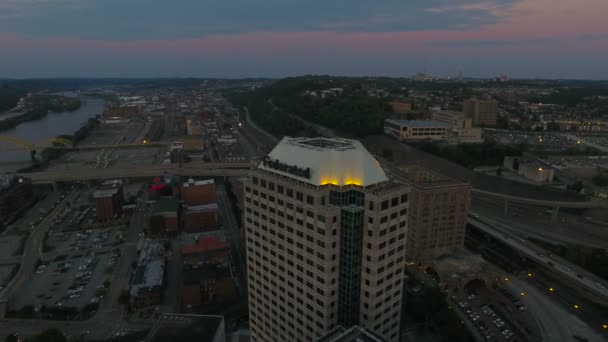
point(283, 190)
point(386, 204)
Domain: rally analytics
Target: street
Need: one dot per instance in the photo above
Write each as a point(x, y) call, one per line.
point(233, 234)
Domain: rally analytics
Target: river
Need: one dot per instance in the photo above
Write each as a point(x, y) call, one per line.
point(42, 130)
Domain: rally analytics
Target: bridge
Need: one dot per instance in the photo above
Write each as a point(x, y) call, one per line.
point(20, 144)
point(230, 169)
point(593, 285)
point(554, 204)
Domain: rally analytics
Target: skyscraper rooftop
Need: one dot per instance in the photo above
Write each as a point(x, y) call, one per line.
point(322, 161)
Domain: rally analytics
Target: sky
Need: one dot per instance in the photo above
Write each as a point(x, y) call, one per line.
point(278, 38)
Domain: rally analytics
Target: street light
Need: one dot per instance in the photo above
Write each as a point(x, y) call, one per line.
point(506, 279)
point(575, 306)
point(551, 289)
point(522, 293)
point(529, 274)
point(604, 326)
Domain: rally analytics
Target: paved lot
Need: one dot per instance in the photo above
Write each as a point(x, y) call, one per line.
point(74, 273)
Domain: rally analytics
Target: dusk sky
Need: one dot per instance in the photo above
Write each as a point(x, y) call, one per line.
point(275, 38)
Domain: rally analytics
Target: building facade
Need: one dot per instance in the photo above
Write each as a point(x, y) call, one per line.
point(411, 130)
point(326, 236)
point(198, 192)
point(438, 213)
point(483, 112)
point(462, 127)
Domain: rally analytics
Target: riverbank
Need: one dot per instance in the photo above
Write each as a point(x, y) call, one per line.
point(14, 153)
point(53, 152)
point(39, 106)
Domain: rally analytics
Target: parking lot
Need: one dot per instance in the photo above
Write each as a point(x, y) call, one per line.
point(497, 315)
point(75, 273)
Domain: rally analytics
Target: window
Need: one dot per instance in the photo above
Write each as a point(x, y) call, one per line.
point(370, 220)
point(404, 198)
point(271, 186)
point(289, 193)
point(254, 180)
point(371, 205)
point(384, 205)
point(263, 183)
point(310, 200)
point(395, 201)
point(299, 196)
point(280, 189)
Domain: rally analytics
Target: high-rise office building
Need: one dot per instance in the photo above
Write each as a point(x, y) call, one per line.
point(438, 211)
point(326, 233)
point(483, 112)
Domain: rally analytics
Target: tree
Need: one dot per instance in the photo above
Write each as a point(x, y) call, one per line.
point(576, 186)
point(387, 153)
point(11, 338)
point(123, 298)
point(49, 335)
point(600, 178)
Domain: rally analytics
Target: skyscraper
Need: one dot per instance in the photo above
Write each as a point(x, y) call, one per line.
point(483, 112)
point(326, 234)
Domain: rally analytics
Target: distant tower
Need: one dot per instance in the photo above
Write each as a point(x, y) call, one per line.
point(460, 75)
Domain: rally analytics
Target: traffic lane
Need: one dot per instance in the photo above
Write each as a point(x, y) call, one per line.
point(574, 272)
point(555, 323)
point(532, 219)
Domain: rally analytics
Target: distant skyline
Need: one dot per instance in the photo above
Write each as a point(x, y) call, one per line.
point(277, 38)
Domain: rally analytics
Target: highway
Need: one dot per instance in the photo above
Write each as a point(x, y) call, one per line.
point(236, 169)
point(554, 321)
point(562, 267)
point(534, 222)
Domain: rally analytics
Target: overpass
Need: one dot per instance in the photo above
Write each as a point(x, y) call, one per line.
point(554, 204)
point(566, 270)
point(230, 169)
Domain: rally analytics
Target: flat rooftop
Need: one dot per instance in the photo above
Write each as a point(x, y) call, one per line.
point(353, 334)
point(186, 328)
point(419, 123)
point(104, 193)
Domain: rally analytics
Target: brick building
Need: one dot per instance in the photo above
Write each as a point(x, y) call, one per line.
point(205, 250)
point(109, 199)
point(439, 207)
point(163, 218)
point(200, 218)
point(198, 192)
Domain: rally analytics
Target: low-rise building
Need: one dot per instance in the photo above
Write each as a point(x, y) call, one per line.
point(199, 192)
point(183, 327)
point(462, 127)
point(208, 284)
point(200, 218)
point(147, 280)
point(352, 334)
point(399, 107)
point(530, 169)
point(163, 219)
point(201, 249)
point(109, 199)
point(416, 130)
